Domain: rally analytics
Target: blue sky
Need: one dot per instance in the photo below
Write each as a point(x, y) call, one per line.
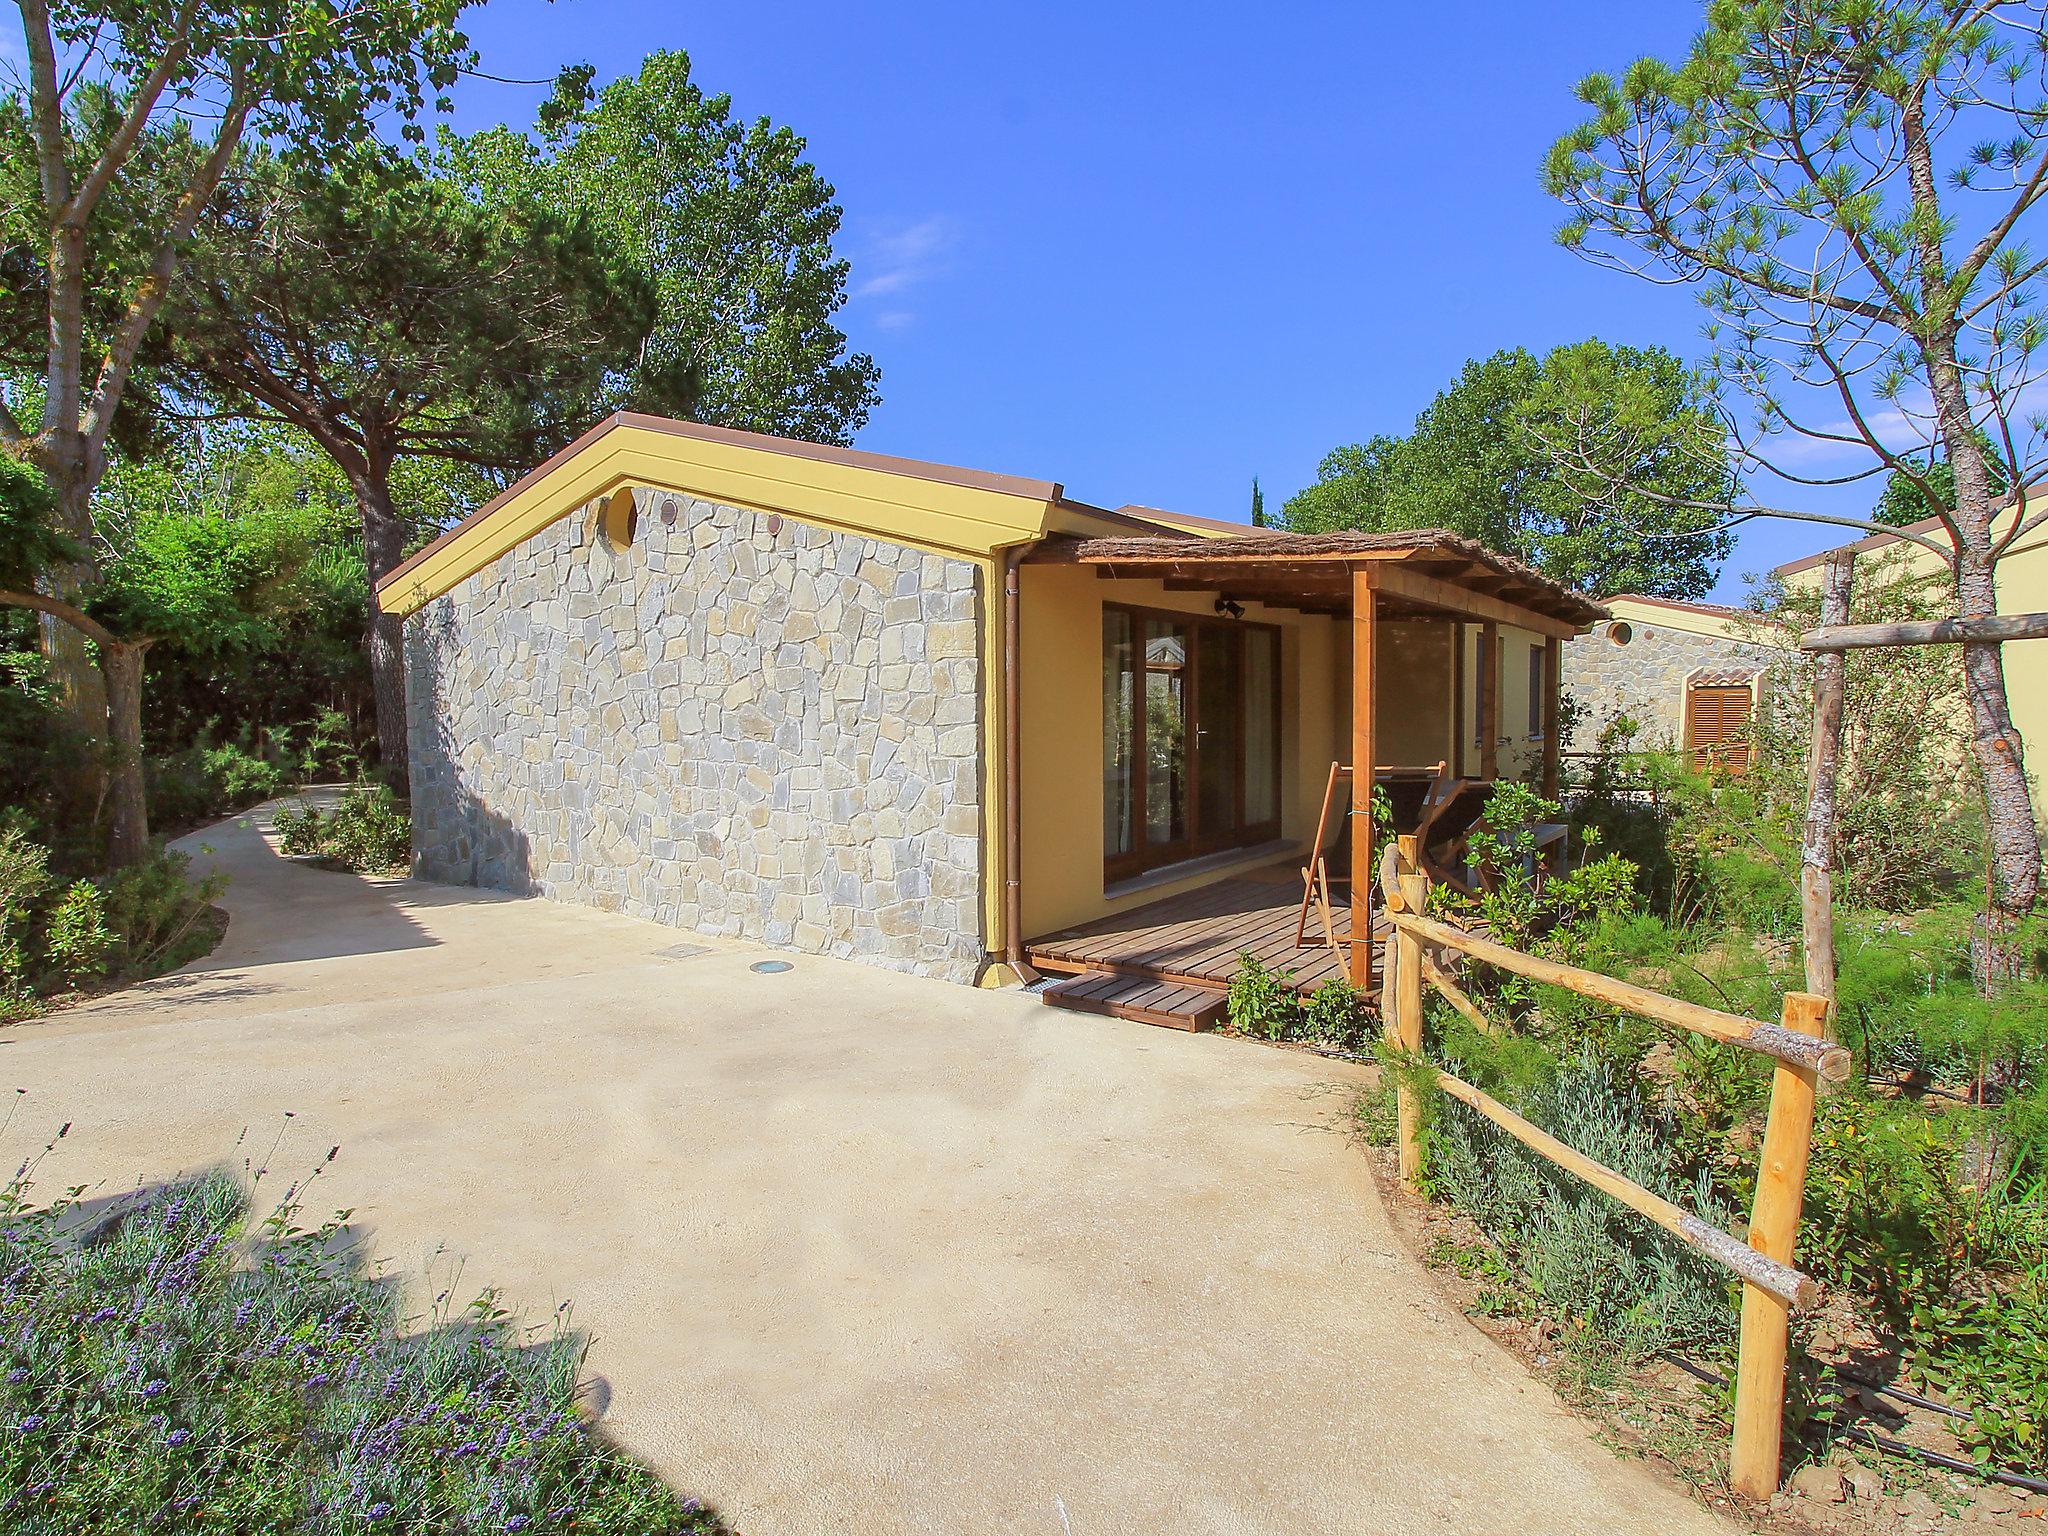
point(1153, 250)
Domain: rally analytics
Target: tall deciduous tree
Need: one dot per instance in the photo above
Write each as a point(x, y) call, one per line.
point(728, 221)
point(388, 315)
point(117, 135)
point(1850, 186)
point(1478, 463)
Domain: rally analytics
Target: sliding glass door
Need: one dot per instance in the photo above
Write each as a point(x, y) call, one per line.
point(1191, 737)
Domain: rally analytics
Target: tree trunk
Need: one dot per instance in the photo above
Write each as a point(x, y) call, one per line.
point(2009, 808)
point(80, 688)
point(1816, 856)
point(1995, 957)
point(384, 633)
point(128, 809)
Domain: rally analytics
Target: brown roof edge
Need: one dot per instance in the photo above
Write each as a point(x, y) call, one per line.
point(1926, 525)
point(1271, 544)
point(857, 458)
point(1861, 546)
point(1151, 515)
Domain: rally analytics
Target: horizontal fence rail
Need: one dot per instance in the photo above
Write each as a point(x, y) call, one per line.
point(1831, 1062)
point(1807, 1062)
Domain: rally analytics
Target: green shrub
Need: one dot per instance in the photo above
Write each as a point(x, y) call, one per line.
point(77, 938)
point(165, 1368)
point(157, 913)
point(24, 879)
point(1261, 1002)
point(205, 782)
point(1336, 1014)
point(1596, 1265)
point(368, 830)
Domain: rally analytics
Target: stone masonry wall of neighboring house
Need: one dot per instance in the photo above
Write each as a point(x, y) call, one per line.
point(740, 723)
point(1644, 679)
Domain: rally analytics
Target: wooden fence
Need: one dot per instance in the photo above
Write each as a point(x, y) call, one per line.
point(1807, 1063)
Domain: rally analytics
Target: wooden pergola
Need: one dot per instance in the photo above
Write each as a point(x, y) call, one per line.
point(1366, 577)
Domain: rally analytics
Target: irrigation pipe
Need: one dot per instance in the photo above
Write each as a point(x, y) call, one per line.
point(1886, 1443)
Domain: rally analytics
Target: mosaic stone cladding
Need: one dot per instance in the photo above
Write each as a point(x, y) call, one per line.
point(1645, 676)
point(735, 722)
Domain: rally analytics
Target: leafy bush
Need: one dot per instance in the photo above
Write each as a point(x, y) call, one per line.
point(1263, 1003)
point(205, 782)
point(77, 937)
point(134, 923)
point(368, 830)
point(164, 1370)
point(24, 878)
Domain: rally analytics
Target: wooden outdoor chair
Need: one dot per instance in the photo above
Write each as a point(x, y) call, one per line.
point(1445, 831)
point(1410, 791)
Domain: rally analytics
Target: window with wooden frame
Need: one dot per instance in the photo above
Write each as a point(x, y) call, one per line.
point(1190, 737)
point(1717, 722)
point(1539, 690)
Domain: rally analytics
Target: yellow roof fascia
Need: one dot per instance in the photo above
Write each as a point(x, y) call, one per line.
point(965, 521)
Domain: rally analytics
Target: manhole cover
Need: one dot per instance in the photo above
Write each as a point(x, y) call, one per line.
point(769, 967)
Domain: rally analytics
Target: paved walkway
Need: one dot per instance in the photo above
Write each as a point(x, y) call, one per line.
point(860, 1252)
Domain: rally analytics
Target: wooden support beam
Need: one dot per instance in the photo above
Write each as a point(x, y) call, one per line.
point(1364, 659)
point(1863, 637)
point(1553, 660)
point(1489, 701)
point(1453, 597)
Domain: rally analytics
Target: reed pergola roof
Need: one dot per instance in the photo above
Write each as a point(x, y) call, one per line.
point(1427, 571)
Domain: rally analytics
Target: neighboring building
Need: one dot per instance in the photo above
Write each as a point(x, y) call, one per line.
point(922, 716)
point(2022, 575)
point(1688, 675)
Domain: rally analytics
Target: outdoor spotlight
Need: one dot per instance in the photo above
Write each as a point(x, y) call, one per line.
point(1231, 606)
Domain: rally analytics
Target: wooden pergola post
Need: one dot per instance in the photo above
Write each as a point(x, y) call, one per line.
point(1489, 700)
point(1364, 644)
point(1553, 686)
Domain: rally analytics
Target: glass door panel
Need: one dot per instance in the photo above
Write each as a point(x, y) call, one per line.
point(1165, 733)
point(1219, 732)
point(1262, 731)
point(1119, 721)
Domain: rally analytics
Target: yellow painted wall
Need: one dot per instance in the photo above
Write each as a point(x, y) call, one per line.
point(1060, 714)
point(1521, 754)
point(2022, 588)
point(1412, 723)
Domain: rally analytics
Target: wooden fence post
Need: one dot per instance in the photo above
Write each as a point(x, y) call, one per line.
point(1407, 1014)
point(1774, 1232)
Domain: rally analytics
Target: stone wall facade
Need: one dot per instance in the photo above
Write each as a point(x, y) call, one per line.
point(736, 722)
point(1645, 678)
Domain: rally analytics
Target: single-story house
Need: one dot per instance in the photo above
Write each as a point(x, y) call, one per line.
point(2022, 581)
point(1687, 674)
point(934, 718)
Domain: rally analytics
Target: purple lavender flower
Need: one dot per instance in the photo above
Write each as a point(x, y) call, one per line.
point(32, 1423)
point(154, 1387)
point(105, 1314)
point(518, 1523)
point(178, 1437)
point(378, 1510)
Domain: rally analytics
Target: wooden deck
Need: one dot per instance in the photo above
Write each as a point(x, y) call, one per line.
point(1194, 939)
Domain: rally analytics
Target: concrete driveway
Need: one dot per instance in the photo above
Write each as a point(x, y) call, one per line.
point(860, 1252)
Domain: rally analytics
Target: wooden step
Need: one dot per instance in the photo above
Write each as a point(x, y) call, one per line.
point(1149, 1001)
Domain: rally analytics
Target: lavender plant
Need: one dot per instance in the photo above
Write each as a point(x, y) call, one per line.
point(165, 1366)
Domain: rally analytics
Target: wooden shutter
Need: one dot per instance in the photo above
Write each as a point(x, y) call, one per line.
point(1717, 725)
